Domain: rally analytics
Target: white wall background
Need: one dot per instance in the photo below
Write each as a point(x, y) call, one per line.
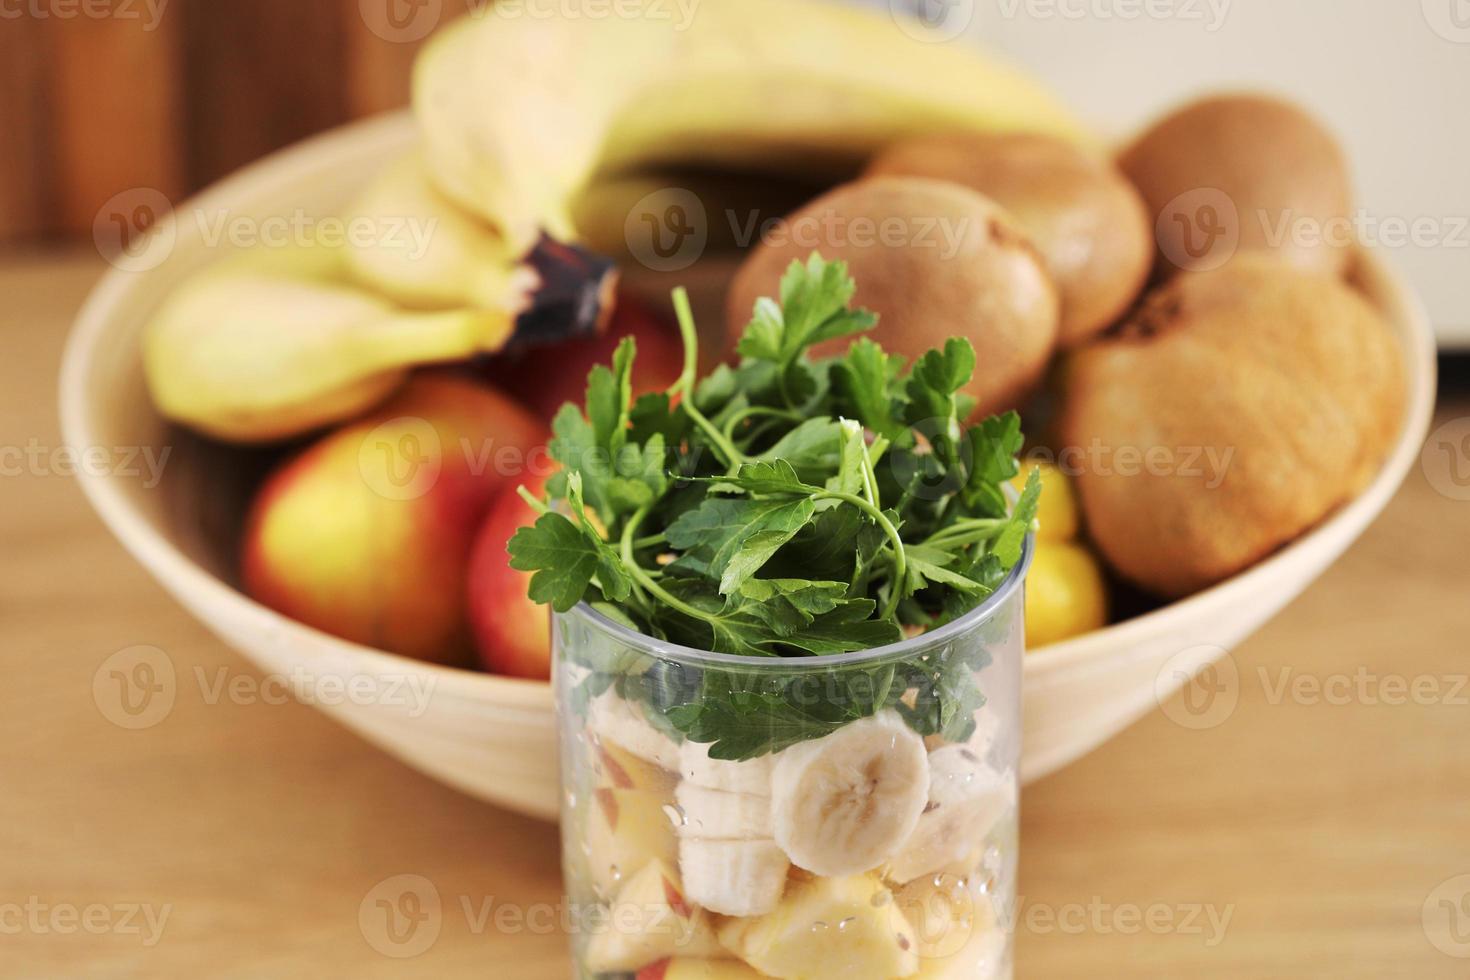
point(1392, 77)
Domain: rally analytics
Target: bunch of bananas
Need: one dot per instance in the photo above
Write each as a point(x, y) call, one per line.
point(525, 121)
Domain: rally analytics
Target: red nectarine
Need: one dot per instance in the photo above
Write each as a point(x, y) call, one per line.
point(367, 533)
point(513, 633)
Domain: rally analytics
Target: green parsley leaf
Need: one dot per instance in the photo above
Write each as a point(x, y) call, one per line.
point(729, 539)
point(565, 559)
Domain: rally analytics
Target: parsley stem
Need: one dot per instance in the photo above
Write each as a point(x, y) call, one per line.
point(968, 532)
point(642, 578)
point(754, 411)
point(685, 385)
point(900, 558)
point(537, 504)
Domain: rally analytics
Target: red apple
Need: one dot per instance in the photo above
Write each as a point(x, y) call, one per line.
point(545, 378)
point(512, 633)
point(366, 534)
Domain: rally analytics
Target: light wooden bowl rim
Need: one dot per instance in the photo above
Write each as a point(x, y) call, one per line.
point(381, 137)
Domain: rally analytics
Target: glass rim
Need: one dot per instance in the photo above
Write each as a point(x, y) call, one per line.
point(895, 651)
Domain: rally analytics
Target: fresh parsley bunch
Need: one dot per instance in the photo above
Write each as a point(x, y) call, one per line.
point(788, 506)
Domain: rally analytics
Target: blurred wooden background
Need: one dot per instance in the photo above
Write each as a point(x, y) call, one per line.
point(103, 96)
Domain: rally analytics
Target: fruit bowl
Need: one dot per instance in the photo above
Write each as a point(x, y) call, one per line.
point(495, 737)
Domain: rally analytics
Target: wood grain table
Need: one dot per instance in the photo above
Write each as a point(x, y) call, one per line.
point(1320, 829)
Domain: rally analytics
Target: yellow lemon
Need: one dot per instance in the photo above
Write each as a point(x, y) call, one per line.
point(1057, 519)
point(1065, 594)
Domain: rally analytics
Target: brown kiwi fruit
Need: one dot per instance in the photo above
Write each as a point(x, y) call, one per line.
point(1244, 173)
point(934, 260)
point(1267, 395)
point(1088, 221)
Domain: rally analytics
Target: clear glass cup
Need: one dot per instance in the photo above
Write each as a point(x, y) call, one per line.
point(831, 831)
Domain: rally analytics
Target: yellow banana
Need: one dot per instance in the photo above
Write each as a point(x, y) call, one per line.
point(534, 126)
point(253, 356)
point(519, 113)
point(439, 256)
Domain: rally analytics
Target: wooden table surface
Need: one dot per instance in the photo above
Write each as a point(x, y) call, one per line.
point(1318, 831)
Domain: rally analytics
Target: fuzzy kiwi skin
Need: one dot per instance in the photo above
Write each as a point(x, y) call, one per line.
point(1087, 220)
point(1286, 373)
point(985, 281)
point(1275, 162)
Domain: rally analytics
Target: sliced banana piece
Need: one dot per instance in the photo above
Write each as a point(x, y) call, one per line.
point(846, 803)
point(966, 800)
point(611, 718)
point(739, 878)
point(752, 776)
point(708, 814)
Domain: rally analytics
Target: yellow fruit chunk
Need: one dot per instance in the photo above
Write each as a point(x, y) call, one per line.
point(651, 920)
point(626, 831)
point(689, 969)
point(1065, 594)
point(1057, 519)
point(826, 929)
point(958, 935)
point(618, 768)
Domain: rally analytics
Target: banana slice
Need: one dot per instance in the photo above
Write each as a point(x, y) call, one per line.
point(966, 800)
point(846, 803)
point(740, 878)
point(752, 776)
point(612, 719)
point(709, 814)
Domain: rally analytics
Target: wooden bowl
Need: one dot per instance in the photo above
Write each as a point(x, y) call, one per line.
point(494, 737)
